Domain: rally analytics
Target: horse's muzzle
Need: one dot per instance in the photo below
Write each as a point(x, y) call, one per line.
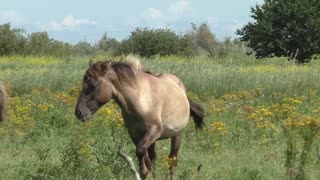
point(82, 116)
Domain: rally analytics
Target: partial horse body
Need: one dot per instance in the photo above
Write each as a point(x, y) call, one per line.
point(3, 102)
point(153, 106)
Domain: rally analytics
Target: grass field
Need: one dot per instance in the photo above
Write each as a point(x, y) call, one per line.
point(262, 121)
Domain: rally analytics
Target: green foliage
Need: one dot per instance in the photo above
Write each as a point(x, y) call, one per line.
point(186, 46)
point(107, 44)
point(59, 49)
point(149, 42)
point(12, 40)
point(38, 43)
point(83, 48)
point(229, 48)
point(145, 42)
point(284, 28)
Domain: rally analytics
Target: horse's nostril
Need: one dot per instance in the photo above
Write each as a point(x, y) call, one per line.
point(78, 113)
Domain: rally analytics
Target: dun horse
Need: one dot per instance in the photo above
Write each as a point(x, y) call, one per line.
point(153, 107)
point(3, 102)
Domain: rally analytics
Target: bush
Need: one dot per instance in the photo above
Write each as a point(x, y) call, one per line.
point(149, 42)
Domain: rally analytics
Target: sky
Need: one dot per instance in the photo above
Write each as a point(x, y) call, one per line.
point(73, 21)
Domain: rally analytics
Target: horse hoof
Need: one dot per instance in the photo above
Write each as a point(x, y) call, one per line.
point(144, 174)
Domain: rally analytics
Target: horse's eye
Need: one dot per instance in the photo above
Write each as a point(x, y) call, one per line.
point(93, 85)
point(90, 88)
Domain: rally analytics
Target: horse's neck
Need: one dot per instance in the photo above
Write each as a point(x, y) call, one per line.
point(125, 96)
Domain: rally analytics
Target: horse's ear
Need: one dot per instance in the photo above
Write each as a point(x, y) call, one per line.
point(90, 62)
point(109, 65)
point(105, 66)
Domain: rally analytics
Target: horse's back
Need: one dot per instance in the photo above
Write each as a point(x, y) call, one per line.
point(175, 79)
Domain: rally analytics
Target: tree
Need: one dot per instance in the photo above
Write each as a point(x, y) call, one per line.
point(83, 48)
point(204, 38)
point(12, 40)
point(59, 49)
point(186, 46)
point(148, 42)
point(38, 43)
point(107, 44)
point(284, 28)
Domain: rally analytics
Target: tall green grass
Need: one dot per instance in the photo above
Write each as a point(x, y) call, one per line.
point(57, 146)
point(218, 77)
point(201, 75)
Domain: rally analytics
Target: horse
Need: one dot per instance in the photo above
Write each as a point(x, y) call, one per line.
point(3, 103)
point(153, 106)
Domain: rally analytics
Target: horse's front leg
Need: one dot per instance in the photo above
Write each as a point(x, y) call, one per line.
point(152, 152)
point(152, 155)
point(153, 133)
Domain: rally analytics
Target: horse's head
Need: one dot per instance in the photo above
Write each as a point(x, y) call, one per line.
point(96, 90)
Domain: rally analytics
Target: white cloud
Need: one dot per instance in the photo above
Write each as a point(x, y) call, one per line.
point(160, 18)
point(12, 17)
point(154, 13)
point(181, 7)
point(54, 26)
point(68, 23)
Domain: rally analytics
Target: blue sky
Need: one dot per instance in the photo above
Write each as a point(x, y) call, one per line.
point(73, 21)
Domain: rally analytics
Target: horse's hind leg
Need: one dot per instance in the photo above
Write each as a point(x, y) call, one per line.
point(173, 157)
point(149, 138)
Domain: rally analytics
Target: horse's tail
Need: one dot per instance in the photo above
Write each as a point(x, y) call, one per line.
point(3, 103)
point(197, 112)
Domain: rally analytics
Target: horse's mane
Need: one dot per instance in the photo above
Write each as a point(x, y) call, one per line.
point(135, 63)
point(125, 69)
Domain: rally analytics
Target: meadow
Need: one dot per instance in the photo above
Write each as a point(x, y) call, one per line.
point(262, 121)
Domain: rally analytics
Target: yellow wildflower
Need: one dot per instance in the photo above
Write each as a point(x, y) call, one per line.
point(291, 101)
point(171, 161)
